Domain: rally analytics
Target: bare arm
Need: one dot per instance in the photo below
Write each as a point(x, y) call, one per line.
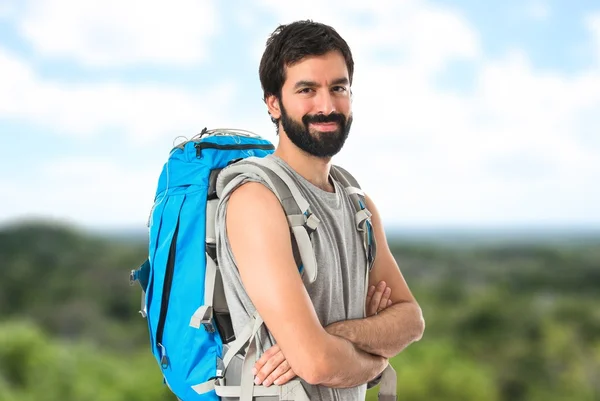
point(270, 276)
point(385, 334)
point(390, 331)
point(272, 367)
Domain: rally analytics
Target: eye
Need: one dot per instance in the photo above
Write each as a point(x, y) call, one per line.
point(305, 90)
point(339, 89)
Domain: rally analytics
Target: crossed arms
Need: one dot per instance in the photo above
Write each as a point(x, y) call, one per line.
point(344, 354)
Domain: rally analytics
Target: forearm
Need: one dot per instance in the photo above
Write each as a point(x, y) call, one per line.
point(345, 365)
point(385, 334)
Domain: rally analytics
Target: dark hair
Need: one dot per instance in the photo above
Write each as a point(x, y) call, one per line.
point(289, 44)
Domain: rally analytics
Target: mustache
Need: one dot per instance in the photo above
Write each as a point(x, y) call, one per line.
point(322, 118)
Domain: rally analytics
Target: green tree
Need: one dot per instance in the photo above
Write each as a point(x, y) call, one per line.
point(34, 367)
point(434, 370)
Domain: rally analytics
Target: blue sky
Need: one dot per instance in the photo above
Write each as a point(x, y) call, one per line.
point(467, 113)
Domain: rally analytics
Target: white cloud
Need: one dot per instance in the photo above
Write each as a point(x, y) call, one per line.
point(512, 149)
point(519, 145)
point(419, 34)
point(592, 23)
point(509, 149)
point(144, 113)
point(116, 33)
point(89, 191)
point(538, 10)
point(7, 9)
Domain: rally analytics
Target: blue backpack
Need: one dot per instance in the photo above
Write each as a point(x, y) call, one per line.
point(190, 329)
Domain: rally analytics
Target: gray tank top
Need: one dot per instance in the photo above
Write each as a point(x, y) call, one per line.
point(339, 291)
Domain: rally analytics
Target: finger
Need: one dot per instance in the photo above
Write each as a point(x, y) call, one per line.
point(285, 378)
point(369, 296)
point(385, 299)
point(265, 358)
point(269, 367)
point(390, 302)
point(376, 299)
point(277, 373)
point(369, 308)
point(371, 305)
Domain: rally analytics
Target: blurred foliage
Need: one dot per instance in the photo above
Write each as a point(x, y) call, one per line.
point(504, 322)
point(34, 367)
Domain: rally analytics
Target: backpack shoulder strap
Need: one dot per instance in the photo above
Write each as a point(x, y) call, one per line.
point(362, 217)
point(301, 220)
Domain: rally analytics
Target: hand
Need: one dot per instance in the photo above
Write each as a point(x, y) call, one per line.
point(272, 368)
point(378, 298)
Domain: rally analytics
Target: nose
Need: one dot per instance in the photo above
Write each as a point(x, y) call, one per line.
point(324, 103)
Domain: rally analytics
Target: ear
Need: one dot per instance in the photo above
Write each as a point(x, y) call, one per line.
point(273, 105)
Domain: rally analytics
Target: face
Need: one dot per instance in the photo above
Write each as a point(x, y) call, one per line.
point(315, 105)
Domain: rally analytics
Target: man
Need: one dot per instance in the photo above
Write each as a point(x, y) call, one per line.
point(317, 331)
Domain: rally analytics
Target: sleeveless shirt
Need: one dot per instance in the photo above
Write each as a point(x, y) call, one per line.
point(339, 291)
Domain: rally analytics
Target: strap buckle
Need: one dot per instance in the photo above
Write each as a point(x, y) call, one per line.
point(133, 276)
point(203, 317)
point(206, 321)
point(311, 223)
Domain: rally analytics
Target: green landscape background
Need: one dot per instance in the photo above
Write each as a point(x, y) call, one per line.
point(509, 317)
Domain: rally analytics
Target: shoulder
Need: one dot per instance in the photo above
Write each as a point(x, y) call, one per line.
point(252, 196)
point(253, 207)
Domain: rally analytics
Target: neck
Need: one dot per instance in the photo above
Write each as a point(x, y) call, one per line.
point(314, 169)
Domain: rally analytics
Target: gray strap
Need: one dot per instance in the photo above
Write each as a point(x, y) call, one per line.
point(296, 220)
point(204, 314)
point(367, 271)
point(348, 181)
point(360, 217)
point(306, 251)
point(354, 190)
point(219, 299)
point(236, 391)
point(249, 331)
point(388, 385)
point(227, 175)
point(143, 310)
point(259, 166)
point(289, 203)
point(209, 280)
point(211, 212)
point(281, 173)
point(344, 177)
point(311, 222)
point(291, 391)
point(357, 197)
point(204, 387)
point(281, 184)
point(227, 181)
point(247, 378)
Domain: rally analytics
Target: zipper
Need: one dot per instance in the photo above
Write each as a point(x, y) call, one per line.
point(164, 305)
point(245, 146)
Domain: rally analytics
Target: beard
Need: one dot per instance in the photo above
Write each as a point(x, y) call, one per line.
point(316, 143)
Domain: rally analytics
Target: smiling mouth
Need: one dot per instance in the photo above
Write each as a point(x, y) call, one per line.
point(325, 126)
